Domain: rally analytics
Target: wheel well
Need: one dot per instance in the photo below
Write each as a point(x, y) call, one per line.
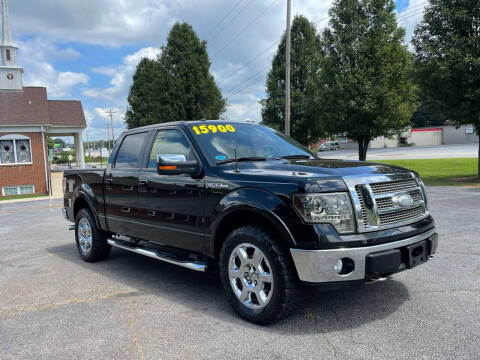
point(240, 218)
point(80, 203)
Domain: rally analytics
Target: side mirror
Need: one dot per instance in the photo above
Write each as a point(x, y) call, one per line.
point(176, 164)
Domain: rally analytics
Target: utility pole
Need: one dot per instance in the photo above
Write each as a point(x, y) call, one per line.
point(110, 112)
point(108, 135)
point(287, 70)
point(88, 144)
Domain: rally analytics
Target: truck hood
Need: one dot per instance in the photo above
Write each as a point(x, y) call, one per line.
point(316, 168)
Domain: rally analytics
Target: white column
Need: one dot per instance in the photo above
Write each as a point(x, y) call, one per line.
point(80, 157)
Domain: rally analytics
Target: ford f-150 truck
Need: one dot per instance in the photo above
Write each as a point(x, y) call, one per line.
point(257, 203)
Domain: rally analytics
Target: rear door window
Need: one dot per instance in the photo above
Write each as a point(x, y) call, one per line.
point(130, 151)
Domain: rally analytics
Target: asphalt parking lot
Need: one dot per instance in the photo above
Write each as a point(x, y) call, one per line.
point(53, 305)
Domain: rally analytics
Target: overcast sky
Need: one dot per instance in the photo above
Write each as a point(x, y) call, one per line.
point(88, 49)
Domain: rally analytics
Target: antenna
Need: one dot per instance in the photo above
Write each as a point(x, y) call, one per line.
point(236, 161)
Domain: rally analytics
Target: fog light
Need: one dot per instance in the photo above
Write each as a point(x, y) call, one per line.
point(344, 266)
point(338, 266)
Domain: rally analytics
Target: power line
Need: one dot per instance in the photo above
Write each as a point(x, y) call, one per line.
point(236, 87)
point(250, 61)
point(412, 8)
point(233, 19)
point(248, 85)
point(252, 80)
point(411, 15)
point(223, 19)
point(274, 2)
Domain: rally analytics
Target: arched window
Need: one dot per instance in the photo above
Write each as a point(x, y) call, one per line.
point(15, 149)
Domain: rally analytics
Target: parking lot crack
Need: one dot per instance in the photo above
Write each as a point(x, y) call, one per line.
point(131, 322)
point(332, 347)
point(89, 299)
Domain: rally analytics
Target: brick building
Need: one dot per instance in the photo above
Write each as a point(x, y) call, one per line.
point(27, 117)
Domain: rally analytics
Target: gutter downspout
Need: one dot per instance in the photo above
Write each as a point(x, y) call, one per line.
point(42, 128)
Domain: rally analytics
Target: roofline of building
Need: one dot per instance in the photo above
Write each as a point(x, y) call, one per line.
point(45, 125)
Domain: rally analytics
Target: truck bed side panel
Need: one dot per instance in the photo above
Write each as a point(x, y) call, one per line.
point(87, 184)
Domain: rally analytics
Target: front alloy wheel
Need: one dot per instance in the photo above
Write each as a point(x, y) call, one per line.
point(251, 276)
point(257, 274)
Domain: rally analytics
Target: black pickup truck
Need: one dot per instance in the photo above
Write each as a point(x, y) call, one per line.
point(270, 213)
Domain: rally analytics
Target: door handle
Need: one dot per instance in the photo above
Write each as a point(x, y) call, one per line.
point(128, 188)
point(143, 182)
point(109, 181)
point(125, 209)
point(151, 213)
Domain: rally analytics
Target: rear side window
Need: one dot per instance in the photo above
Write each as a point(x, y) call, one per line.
point(130, 151)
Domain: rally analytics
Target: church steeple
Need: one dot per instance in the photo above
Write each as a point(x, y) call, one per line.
point(10, 72)
point(7, 39)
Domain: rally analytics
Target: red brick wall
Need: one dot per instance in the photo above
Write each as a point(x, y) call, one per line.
point(32, 174)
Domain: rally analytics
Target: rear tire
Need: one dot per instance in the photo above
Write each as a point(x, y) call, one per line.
point(257, 275)
point(91, 241)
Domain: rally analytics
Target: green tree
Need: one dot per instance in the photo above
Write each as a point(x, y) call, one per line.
point(176, 86)
point(422, 117)
point(59, 141)
point(447, 59)
point(50, 142)
point(144, 103)
point(365, 86)
point(305, 62)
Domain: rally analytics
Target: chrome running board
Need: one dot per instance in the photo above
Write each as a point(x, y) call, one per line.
point(159, 255)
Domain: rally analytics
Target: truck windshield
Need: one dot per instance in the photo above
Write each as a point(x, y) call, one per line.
point(219, 141)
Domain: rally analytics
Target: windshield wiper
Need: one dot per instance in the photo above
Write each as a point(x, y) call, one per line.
point(297, 156)
point(246, 158)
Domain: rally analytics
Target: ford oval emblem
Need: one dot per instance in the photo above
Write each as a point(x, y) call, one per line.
point(405, 200)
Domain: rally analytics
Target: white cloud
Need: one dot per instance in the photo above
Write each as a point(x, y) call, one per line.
point(36, 56)
point(121, 76)
point(104, 70)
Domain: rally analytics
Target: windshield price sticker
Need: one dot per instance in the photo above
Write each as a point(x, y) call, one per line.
point(206, 129)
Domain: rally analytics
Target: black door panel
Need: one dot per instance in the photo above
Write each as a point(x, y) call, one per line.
point(121, 186)
point(171, 207)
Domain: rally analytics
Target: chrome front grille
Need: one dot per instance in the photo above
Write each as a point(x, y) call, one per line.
point(387, 202)
point(362, 204)
point(401, 216)
point(378, 204)
point(393, 186)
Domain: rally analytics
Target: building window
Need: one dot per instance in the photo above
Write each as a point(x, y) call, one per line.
point(15, 149)
point(7, 53)
point(18, 190)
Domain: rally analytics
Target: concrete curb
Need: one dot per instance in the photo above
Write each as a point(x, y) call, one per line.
point(28, 199)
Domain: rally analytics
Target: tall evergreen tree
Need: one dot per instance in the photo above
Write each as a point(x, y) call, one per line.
point(365, 87)
point(447, 59)
point(305, 62)
point(177, 86)
point(144, 103)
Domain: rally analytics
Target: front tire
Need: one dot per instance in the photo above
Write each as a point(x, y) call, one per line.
point(91, 241)
point(257, 275)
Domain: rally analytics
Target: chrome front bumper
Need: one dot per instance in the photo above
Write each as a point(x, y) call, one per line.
point(317, 266)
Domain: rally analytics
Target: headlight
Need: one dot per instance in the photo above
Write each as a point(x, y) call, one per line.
point(424, 192)
point(332, 208)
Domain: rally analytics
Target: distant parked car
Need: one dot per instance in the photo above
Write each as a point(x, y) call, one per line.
point(329, 145)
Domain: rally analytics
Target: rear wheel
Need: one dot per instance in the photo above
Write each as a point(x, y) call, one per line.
point(91, 241)
point(257, 275)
